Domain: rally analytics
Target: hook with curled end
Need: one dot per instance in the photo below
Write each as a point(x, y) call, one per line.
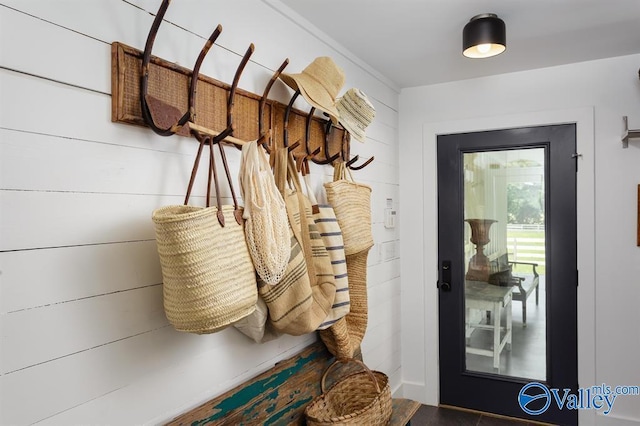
point(350, 165)
point(264, 137)
point(225, 135)
point(346, 139)
point(230, 103)
point(208, 137)
point(329, 159)
point(172, 119)
point(285, 130)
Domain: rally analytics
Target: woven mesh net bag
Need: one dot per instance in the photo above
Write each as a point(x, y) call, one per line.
point(266, 226)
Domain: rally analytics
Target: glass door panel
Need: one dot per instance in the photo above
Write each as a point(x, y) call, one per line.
point(504, 253)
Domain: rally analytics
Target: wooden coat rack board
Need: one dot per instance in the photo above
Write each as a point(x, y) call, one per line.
point(170, 83)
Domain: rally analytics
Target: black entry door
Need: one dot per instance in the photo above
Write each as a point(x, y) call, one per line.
point(508, 275)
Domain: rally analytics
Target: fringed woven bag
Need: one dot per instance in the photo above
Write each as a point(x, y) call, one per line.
point(362, 398)
point(209, 279)
point(344, 336)
point(351, 202)
point(327, 224)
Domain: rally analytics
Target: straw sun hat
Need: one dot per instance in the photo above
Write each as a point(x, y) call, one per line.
point(319, 83)
point(356, 112)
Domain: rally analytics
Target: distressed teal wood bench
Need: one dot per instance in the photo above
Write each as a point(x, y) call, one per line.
point(278, 396)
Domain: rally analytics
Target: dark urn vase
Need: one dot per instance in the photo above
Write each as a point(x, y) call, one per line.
point(479, 268)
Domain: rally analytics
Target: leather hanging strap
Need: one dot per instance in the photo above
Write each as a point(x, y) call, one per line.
point(194, 172)
point(236, 210)
point(212, 175)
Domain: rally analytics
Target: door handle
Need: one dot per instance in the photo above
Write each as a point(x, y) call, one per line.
point(445, 282)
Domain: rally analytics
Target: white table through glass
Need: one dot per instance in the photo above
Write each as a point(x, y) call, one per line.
point(494, 299)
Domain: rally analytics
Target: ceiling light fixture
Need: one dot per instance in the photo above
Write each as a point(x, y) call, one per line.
point(484, 36)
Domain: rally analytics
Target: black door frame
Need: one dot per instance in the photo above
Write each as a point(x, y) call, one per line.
point(558, 235)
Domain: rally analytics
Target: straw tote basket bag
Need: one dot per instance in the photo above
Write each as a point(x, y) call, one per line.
point(351, 202)
point(327, 224)
point(266, 226)
point(306, 316)
point(209, 280)
point(362, 398)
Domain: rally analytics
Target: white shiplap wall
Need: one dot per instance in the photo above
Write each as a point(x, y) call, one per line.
point(83, 334)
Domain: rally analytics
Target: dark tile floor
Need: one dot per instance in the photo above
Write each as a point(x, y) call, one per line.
point(439, 416)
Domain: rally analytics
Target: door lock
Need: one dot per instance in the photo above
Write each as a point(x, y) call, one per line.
point(445, 282)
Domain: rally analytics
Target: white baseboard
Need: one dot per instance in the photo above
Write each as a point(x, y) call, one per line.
point(416, 392)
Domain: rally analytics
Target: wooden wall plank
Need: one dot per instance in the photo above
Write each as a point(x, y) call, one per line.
point(172, 366)
point(56, 332)
point(376, 348)
point(48, 163)
point(54, 219)
point(385, 135)
point(385, 360)
point(53, 387)
point(36, 107)
point(107, 217)
point(57, 50)
point(35, 278)
point(378, 297)
point(41, 162)
point(383, 148)
point(382, 273)
point(65, 38)
point(181, 380)
point(386, 116)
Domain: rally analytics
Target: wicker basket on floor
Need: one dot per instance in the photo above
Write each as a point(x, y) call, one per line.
point(362, 398)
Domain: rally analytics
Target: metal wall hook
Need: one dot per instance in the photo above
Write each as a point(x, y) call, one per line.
point(210, 136)
point(145, 98)
point(196, 71)
point(329, 159)
point(264, 138)
point(345, 154)
point(353, 160)
point(307, 136)
point(230, 128)
point(628, 133)
point(287, 112)
point(307, 130)
point(360, 167)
